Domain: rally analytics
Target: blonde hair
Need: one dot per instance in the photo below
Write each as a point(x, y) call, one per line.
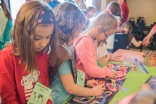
point(69, 19)
point(145, 97)
point(106, 21)
point(23, 32)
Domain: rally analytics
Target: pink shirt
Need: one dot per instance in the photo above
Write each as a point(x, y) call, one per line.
point(86, 59)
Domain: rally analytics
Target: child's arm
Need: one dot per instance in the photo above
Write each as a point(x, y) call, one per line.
point(104, 60)
point(135, 42)
point(7, 84)
point(145, 86)
point(146, 40)
point(120, 30)
point(72, 88)
point(85, 53)
point(103, 54)
point(152, 32)
point(91, 83)
point(75, 89)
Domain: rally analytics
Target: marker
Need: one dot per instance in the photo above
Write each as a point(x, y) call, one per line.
point(136, 60)
point(104, 99)
point(135, 66)
point(143, 67)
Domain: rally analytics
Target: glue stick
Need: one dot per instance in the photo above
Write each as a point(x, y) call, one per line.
point(134, 66)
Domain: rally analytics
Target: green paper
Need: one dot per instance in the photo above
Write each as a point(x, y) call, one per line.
point(133, 82)
point(99, 64)
point(40, 94)
point(80, 78)
point(151, 70)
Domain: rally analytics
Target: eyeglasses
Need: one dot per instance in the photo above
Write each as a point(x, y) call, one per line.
point(105, 34)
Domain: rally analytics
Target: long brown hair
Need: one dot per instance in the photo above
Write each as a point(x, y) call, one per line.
point(130, 32)
point(145, 97)
point(23, 32)
point(114, 7)
point(90, 8)
point(69, 19)
point(6, 10)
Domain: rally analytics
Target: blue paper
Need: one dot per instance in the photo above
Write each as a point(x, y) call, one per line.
point(125, 89)
point(143, 67)
point(104, 99)
point(121, 83)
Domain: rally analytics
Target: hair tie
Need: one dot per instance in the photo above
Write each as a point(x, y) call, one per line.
point(45, 17)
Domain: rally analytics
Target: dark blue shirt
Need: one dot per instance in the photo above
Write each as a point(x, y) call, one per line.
point(53, 4)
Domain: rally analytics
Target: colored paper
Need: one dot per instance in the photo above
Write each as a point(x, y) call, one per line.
point(80, 78)
point(40, 94)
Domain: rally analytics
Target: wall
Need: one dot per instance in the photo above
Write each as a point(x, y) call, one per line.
point(103, 5)
point(144, 8)
point(137, 8)
point(108, 1)
point(97, 4)
point(15, 6)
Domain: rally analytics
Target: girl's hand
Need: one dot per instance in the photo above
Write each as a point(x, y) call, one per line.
point(92, 83)
point(98, 90)
point(146, 41)
point(113, 74)
point(145, 87)
point(109, 56)
point(119, 74)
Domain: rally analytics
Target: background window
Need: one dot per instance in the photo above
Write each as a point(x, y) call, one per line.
point(89, 3)
point(15, 6)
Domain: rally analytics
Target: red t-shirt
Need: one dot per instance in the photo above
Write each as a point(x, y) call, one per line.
point(16, 84)
point(125, 12)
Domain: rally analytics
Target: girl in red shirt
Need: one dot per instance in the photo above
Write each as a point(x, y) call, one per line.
point(25, 62)
point(124, 10)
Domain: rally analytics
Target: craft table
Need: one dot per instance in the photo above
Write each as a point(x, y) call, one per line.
point(133, 79)
point(128, 54)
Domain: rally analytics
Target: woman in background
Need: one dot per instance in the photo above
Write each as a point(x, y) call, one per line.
point(81, 4)
point(5, 24)
point(53, 3)
point(124, 10)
